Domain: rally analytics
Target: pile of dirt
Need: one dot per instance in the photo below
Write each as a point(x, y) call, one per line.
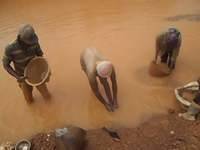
point(44, 141)
point(168, 132)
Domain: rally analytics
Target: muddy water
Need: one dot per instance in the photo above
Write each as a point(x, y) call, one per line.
point(124, 31)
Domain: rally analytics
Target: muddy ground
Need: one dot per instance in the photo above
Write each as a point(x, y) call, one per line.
point(168, 132)
point(124, 31)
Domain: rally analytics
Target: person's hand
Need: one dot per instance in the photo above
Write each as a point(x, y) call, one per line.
point(115, 104)
point(21, 78)
point(180, 91)
point(109, 107)
point(48, 78)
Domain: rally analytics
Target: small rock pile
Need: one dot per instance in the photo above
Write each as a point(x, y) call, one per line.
point(44, 141)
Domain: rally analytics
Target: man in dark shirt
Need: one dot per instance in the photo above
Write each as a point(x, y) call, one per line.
point(20, 52)
point(168, 46)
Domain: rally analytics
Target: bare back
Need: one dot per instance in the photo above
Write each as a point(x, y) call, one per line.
point(88, 60)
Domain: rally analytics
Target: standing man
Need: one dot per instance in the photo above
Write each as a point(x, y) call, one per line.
point(168, 46)
point(96, 66)
point(20, 52)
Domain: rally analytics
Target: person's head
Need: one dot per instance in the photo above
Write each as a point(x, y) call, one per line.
point(104, 69)
point(27, 35)
point(173, 35)
point(172, 30)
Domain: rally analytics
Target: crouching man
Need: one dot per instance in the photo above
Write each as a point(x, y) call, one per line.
point(193, 106)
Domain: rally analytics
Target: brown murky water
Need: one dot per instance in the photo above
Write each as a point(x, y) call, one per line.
point(124, 31)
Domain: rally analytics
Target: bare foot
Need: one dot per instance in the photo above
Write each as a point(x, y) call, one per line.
point(30, 101)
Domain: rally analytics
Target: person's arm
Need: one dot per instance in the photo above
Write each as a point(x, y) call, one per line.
point(114, 85)
point(7, 59)
point(192, 86)
point(95, 89)
point(38, 49)
point(83, 66)
point(114, 135)
point(157, 49)
point(106, 86)
point(175, 53)
point(180, 98)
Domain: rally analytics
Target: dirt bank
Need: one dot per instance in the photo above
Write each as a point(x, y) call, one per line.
point(168, 132)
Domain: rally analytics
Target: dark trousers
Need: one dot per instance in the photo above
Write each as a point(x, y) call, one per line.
point(27, 91)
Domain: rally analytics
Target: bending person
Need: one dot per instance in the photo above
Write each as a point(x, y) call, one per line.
point(96, 66)
point(168, 46)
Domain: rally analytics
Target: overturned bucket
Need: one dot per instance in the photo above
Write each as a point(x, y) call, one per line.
point(37, 71)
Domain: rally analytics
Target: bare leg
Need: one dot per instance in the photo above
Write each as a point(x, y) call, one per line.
point(27, 91)
point(164, 58)
point(44, 91)
point(171, 64)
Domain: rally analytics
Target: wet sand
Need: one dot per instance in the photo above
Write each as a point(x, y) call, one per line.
point(124, 31)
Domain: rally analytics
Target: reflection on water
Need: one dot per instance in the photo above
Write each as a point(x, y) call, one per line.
point(124, 31)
